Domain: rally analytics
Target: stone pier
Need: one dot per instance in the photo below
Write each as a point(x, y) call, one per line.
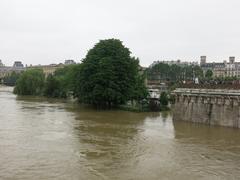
point(208, 106)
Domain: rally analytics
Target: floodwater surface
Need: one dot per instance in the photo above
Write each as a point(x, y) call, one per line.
point(54, 140)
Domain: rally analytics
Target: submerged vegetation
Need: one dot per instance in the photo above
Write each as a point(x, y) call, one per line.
point(61, 84)
point(30, 82)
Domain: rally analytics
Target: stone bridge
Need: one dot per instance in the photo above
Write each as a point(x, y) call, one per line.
point(209, 106)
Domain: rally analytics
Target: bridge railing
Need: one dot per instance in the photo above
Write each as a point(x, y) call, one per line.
point(228, 92)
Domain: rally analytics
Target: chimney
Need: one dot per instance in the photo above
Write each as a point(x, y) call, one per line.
point(203, 60)
point(231, 59)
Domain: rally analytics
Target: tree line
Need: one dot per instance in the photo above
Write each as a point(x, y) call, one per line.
point(174, 73)
point(108, 76)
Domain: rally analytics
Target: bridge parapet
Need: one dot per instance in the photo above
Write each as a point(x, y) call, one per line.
point(208, 96)
point(207, 91)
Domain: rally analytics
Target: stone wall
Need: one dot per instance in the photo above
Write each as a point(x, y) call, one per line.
point(208, 109)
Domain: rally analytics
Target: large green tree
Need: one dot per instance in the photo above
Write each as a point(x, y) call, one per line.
point(31, 82)
point(108, 75)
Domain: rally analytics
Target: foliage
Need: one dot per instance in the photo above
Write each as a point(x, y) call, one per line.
point(174, 73)
point(11, 79)
point(52, 87)
point(164, 99)
point(61, 83)
point(139, 90)
point(109, 76)
point(58, 85)
point(172, 99)
point(209, 74)
point(31, 82)
point(198, 71)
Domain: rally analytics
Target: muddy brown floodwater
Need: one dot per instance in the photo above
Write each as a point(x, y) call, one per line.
point(52, 139)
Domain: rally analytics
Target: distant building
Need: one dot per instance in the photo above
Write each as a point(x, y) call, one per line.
point(18, 64)
point(7, 70)
point(203, 60)
point(69, 61)
point(224, 69)
point(51, 68)
point(47, 69)
point(1, 64)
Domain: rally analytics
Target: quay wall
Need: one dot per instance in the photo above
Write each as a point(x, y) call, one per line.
point(208, 107)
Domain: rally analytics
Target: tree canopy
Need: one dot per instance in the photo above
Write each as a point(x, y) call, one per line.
point(61, 83)
point(31, 82)
point(209, 74)
point(109, 76)
point(174, 73)
point(164, 99)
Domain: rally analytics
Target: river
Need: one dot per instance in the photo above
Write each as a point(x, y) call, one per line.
point(55, 139)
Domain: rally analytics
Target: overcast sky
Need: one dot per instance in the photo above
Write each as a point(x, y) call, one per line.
point(50, 31)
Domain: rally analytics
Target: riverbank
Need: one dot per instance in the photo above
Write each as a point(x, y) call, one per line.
point(135, 107)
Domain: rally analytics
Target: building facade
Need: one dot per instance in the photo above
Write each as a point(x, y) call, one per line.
point(18, 64)
point(69, 62)
point(1, 64)
point(224, 69)
point(18, 67)
point(7, 70)
point(47, 69)
point(50, 69)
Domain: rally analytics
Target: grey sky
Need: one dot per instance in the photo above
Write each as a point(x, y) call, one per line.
point(49, 31)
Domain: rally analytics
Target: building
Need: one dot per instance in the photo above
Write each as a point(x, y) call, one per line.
point(203, 60)
point(232, 68)
point(18, 64)
point(1, 64)
point(50, 69)
point(7, 70)
point(69, 62)
point(224, 69)
point(47, 69)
